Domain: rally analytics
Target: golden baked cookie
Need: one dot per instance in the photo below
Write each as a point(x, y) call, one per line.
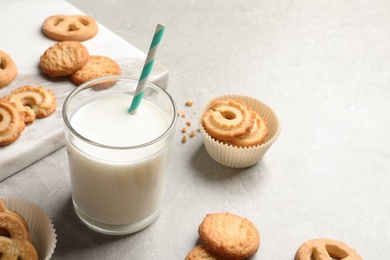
point(34, 102)
point(256, 136)
point(200, 252)
point(11, 122)
point(64, 58)
point(228, 119)
point(15, 241)
point(229, 235)
point(96, 67)
point(70, 27)
point(8, 70)
point(325, 249)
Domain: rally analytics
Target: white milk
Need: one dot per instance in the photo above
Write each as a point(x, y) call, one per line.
point(117, 186)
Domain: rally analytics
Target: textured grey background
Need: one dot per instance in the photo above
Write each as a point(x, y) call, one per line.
point(323, 66)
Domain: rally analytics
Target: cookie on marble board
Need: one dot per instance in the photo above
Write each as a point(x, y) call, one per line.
point(97, 66)
point(11, 123)
point(70, 27)
point(64, 58)
point(34, 102)
point(8, 70)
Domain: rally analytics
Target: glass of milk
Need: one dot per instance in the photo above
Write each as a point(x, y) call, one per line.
point(118, 161)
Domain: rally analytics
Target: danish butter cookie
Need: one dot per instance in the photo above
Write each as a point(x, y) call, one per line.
point(96, 67)
point(8, 70)
point(15, 241)
point(256, 136)
point(326, 249)
point(229, 235)
point(64, 58)
point(34, 102)
point(228, 119)
point(200, 252)
point(70, 27)
point(11, 122)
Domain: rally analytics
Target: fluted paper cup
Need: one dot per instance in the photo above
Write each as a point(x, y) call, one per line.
point(39, 224)
point(241, 157)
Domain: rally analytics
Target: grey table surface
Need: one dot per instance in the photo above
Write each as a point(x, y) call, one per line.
point(323, 66)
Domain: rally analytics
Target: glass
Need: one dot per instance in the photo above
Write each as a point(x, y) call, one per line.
point(118, 161)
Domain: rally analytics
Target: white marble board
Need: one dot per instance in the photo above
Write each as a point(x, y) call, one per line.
point(22, 39)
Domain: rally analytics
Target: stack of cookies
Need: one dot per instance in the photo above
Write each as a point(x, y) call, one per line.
point(237, 130)
point(69, 57)
point(225, 236)
point(21, 107)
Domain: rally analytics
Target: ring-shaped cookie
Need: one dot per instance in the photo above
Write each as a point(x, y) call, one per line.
point(326, 249)
point(8, 70)
point(34, 102)
point(70, 27)
point(17, 244)
point(228, 119)
point(257, 134)
point(11, 122)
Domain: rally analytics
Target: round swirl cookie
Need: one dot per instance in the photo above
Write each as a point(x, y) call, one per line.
point(233, 122)
point(64, 58)
point(228, 119)
point(8, 70)
point(11, 122)
point(237, 130)
point(34, 102)
point(70, 27)
point(256, 135)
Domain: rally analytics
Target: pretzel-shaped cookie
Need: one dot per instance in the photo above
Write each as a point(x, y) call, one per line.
point(11, 122)
point(70, 27)
point(326, 249)
point(8, 69)
point(227, 119)
point(15, 241)
point(34, 102)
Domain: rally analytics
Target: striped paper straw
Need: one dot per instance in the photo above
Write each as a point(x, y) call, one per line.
point(139, 92)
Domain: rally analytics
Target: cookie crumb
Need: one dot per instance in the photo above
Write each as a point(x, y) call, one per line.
point(184, 139)
point(188, 123)
point(192, 134)
point(189, 103)
point(184, 130)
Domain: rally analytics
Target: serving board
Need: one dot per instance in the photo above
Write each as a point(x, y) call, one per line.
point(22, 38)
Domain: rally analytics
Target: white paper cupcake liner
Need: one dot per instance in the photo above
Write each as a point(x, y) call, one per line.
point(241, 157)
point(40, 225)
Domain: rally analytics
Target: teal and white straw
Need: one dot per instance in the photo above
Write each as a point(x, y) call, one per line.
point(139, 92)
